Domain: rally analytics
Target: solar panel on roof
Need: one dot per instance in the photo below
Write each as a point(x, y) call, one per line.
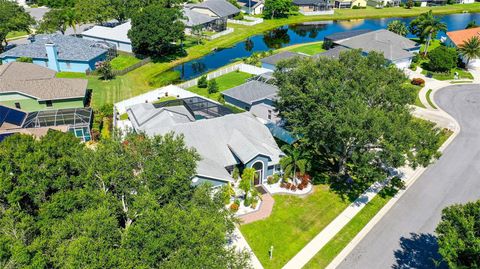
point(11, 116)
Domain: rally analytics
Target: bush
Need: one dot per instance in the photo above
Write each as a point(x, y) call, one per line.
point(418, 82)
point(212, 86)
point(24, 59)
point(202, 82)
point(248, 201)
point(239, 16)
point(234, 207)
point(442, 59)
point(104, 68)
point(417, 4)
point(413, 66)
point(237, 202)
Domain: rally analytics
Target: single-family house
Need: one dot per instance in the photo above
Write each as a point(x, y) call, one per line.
point(215, 8)
point(251, 93)
point(396, 49)
point(271, 61)
point(457, 38)
point(333, 53)
point(314, 7)
point(31, 87)
point(383, 3)
point(202, 22)
point(225, 142)
point(209, 15)
point(116, 36)
point(252, 7)
point(350, 3)
point(60, 53)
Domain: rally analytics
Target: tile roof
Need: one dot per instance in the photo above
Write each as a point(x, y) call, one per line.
point(117, 33)
point(252, 91)
point(39, 82)
point(394, 47)
point(70, 48)
point(221, 8)
point(275, 58)
point(460, 36)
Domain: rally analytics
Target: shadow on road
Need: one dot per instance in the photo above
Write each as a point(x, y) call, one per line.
point(418, 251)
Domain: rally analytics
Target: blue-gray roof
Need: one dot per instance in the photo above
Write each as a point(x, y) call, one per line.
point(70, 48)
point(221, 8)
point(252, 91)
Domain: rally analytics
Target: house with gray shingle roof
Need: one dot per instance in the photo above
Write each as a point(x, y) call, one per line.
point(223, 142)
point(31, 88)
point(251, 93)
point(117, 36)
point(60, 52)
point(271, 61)
point(209, 14)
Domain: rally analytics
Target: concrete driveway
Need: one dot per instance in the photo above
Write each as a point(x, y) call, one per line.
point(404, 237)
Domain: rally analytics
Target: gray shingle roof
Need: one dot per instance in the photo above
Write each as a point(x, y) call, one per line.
point(346, 34)
point(394, 47)
point(195, 18)
point(39, 82)
point(275, 58)
point(69, 48)
point(333, 53)
point(146, 118)
point(309, 2)
point(252, 91)
point(221, 8)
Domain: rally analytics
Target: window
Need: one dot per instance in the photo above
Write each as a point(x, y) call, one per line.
point(68, 64)
point(17, 105)
point(49, 103)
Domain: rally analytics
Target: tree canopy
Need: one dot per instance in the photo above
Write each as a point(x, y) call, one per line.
point(442, 59)
point(278, 8)
point(123, 204)
point(58, 20)
point(459, 235)
point(398, 27)
point(13, 18)
point(353, 118)
point(426, 26)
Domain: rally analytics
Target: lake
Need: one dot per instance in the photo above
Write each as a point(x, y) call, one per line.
point(297, 34)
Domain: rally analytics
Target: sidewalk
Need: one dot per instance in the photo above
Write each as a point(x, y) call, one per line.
point(262, 213)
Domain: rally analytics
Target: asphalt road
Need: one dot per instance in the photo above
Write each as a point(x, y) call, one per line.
point(404, 237)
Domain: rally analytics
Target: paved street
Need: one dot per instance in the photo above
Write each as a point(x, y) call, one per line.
point(404, 238)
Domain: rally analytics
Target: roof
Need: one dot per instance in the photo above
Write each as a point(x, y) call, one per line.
point(69, 48)
point(195, 18)
point(333, 53)
point(249, 3)
point(149, 119)
point(263, 111)
point(252, 91)
point(309, 2)
point(346, 34)
point(220, 141)
point(460, 36)
point(221, 8)
point(275, 58)
point(117, 33)
point(394, 47)
point(39, 82)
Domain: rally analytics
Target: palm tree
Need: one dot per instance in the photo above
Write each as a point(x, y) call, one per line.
point(427, 25)
point(295, 160)
point(398, 27)
point(470, 49)
point(471, 24)
point(71, 19)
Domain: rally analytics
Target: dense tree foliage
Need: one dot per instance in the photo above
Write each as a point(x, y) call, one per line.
point(459, 235)
point(94, 11)
point(58, 20)
point(121, 205)
point(353, 117)
point(157, 30)
point(278, 8)
point(12, 18)
point(398, 27)
point(442, 59)
point(426, 26)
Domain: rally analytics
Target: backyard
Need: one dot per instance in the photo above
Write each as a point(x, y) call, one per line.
point(224, 82)
point(309, 49)
point(123, 60)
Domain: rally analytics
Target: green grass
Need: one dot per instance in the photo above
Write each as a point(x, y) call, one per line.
point(435, 43)
point(462, 74)
point(224, 82)
point(310, 49)
point(123, 60)
point(164, 99)
point(16, 34)
point(341, 240)
point(417, 97)
point(460, 81)
point(70, 75)
point(124, 116)
point(293, 223)
point(429, 100)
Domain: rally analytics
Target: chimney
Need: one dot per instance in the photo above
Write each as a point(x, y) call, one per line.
point(52, 55)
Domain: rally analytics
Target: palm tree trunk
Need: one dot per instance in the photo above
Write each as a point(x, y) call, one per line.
point(427, 44)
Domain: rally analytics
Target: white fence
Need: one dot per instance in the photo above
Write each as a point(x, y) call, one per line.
point(222, 33)
point(251, 21)
point(228, 69)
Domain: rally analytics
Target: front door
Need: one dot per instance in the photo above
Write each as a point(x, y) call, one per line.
point(258, 166)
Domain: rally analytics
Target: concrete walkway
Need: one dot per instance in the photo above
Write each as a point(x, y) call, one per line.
point(263, 213)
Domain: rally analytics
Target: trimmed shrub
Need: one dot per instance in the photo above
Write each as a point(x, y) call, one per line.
point(202, 82)
point(212, 86)
point(234, 207)
point(418, 82)
point(248, 201)
point(24, 59)
point(239, 16)
point(442, 59)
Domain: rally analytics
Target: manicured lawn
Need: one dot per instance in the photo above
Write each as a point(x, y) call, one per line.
point(70, 75)
point(123, 60)
point(462, 74)
point(310, 49)
point(224, 82)
point(417, 97)
point(341, 240)
point(429, 100)
point(433, 45)
point(293, 223)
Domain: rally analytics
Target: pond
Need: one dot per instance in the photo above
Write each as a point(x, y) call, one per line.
point(297, 34)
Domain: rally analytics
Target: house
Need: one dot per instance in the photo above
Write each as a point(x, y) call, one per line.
point(60, 53)
point(383, 3)
point(117, 36)
point(215, 8)
point(425, 3)
point(314, 7)
point(251, 7)
point(251, 93)
point(457, 38)
point(333, 53)
point(271, 61)
point(201, 22)
point(396, 49)
point(38, 123)
point(350, 3)
point(31, 87)
point(224, 142)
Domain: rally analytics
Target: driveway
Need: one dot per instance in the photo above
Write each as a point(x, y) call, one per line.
point(404, 237)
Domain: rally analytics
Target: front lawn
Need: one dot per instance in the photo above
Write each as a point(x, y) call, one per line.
point(310, 49)
point(224, 82)
point(462, 74)
point(293, 223)
point(123, 60)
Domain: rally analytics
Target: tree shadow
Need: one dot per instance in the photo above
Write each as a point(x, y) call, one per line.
point(418, 251)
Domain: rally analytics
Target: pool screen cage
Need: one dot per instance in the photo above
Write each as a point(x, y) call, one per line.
point(201, 108)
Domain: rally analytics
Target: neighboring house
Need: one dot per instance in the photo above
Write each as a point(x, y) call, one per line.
point(314, 7)
point(271, 61)
point(383, 3)
point(60, 52)
point(117, 36)
point(251, 93)
point(398, 50)
point(457, 38)
point(252, 7)
point(209, 15)
point(350, 3)
point(222, 142)
point(425, 3)
point(333, 53)
point(74, 120)
point(31, 87)
point(201, 22)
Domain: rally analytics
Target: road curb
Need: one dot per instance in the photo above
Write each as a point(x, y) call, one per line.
point(382, 212)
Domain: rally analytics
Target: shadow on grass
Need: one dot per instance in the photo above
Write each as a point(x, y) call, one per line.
point(418, 251)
